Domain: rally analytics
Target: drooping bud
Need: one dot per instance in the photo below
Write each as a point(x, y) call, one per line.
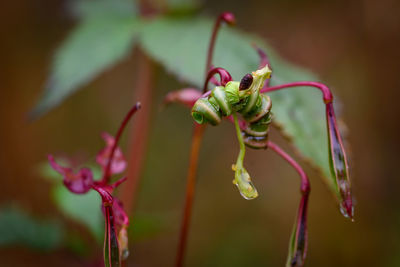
point(243, 182)
point(242, 178)
point(338, 164)
point(298, 240)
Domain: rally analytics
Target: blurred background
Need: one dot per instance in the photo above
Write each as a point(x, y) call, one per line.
point(352, 45)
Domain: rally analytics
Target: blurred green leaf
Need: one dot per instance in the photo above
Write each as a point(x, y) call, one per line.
point(181, 46)
point(19, 228)
point(101, 8)
point(84, 209)
point(183, 6)
point(145, 226)
point(96, 44)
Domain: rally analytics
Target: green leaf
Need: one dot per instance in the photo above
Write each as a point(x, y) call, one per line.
point(181, 46)
point(84, 209)
point(19, 228)
point(96, 44)
point(101, 8)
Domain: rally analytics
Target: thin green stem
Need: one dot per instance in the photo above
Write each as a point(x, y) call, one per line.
point(239, 162)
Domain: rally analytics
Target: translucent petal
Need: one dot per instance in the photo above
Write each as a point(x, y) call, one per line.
point(118, 164)
point(79, 182)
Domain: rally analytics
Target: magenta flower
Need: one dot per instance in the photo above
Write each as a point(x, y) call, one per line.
point(112, 162)
point(118, 164)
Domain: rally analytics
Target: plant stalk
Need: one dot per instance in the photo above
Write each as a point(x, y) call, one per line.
point(197, 137)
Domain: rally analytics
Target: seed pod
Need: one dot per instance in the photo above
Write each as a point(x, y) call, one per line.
point(262, 107)
point(204, 111)
point(220, 97)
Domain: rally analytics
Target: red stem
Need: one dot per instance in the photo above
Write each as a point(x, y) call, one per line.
point(264, 61)
point(223, 74)
point(305, 183)
point(326, 92)
point(223, 17)
point(190, 189)
point(197, 137)
point(301, 232)
point(121, 129)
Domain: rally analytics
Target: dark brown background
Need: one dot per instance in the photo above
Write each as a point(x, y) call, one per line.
point(352, 45)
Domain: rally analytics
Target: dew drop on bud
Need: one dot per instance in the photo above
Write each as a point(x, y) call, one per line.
point(243, 182)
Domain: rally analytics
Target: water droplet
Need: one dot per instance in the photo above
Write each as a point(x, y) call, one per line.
point(244, 184)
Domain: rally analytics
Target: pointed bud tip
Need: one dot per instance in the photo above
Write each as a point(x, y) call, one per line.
point(347, 209)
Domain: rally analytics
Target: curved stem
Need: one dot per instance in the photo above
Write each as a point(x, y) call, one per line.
point(121, 129)
point(337, 155)
point(305, 183)
point(198, 131)
point(223, 74)
point(190, 189)
point(326, 92)
point(239, 162)
point(299, 239)
point(223, 17)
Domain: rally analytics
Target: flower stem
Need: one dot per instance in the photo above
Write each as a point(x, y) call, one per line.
point(223, 17)
point(190, 190)
point(106, 177)
point(197, 137)
point(326, 92)
point(337, 155)
point(305, 183)
point(239, 162)
point(299, 240)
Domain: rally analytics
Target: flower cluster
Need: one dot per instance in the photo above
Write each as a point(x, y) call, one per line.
point(111, 161)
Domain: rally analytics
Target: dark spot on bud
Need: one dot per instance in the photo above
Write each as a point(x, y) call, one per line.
point(246, 82)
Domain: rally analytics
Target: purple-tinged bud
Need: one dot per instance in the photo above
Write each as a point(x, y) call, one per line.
point(299, 238)
point(111, 245)
point(338, 164)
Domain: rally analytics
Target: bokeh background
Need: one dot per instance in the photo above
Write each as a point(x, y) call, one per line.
point(352, 45)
